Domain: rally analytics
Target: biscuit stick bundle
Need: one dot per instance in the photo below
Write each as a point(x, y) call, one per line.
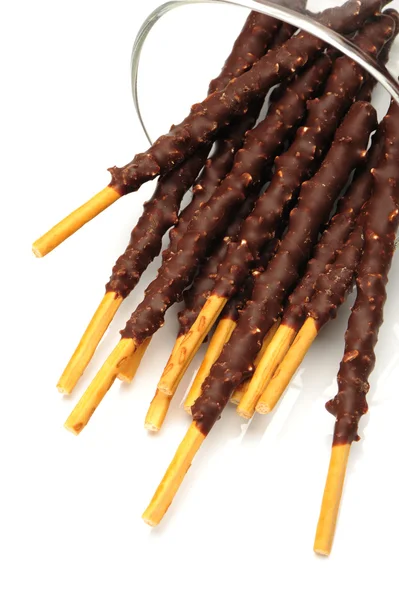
point(278, 366)
point(269, 245)
point(250, 164)
point(291, 169)
point(381, 221)
point(260, 313)
point(161, 212)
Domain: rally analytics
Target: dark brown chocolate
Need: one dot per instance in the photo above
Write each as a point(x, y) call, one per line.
point(333, 285)
point(380, 228)
point(217, 167)
point(221, 108)
point(196, 296)
point(284, 33)
point(251, 44)
point(342, 224)
point(202, 287)
point(271, 287)
point(301, 160)
point(256, 37)
point(236, 304)
point(366, 92)
point(258, 34)
point(251, 165)
point(160, 213)
point(333, 237)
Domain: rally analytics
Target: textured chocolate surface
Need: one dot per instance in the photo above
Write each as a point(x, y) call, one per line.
point(221, 108)
point(236, 304)
point(285, 32)
point(160, 213)
point(271, 287)
point(381, 224)
point(333, 285)
point(366, 92)
point(258, 34)
point(301, 160)
point(251, 44)
point(334, 236)
point(196, 296)
point(217, 167)
point(251, 165)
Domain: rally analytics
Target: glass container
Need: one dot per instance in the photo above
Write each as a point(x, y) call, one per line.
point(182, 45)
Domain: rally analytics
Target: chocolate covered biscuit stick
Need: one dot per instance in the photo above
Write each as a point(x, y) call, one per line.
point(330, 243)
point(238, 354)
point(160, 212)
point(242, 389)
point(160, 404)
point(269, 379)
point(250, 165)
point(329, 292)
point(312, 211)
point(221, 161)
point(380, 227)
point(248, 173)
point(226, 326)
point(292, 168)
point(207, 118)
point(195, 297)
point(366, 92)
point(316, 201)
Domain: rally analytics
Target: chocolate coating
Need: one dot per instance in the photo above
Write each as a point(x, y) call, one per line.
point(236, 304)
point(221, 108)
point(381, 224)
point(196, 296)
point(271, 287)
point(256, 36)
point(301, 160)
point(333, 285)
point(217, 167)
point(251, 44)
point(286, 31)
point(160, 213)
point(366, 92)
point(250, 167)
point(333, 237)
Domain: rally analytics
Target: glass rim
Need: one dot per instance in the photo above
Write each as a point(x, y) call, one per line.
point(301, 20)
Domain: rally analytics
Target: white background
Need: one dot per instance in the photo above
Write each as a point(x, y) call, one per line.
point(243, 522)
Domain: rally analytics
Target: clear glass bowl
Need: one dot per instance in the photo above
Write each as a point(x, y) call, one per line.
point(182, 45)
